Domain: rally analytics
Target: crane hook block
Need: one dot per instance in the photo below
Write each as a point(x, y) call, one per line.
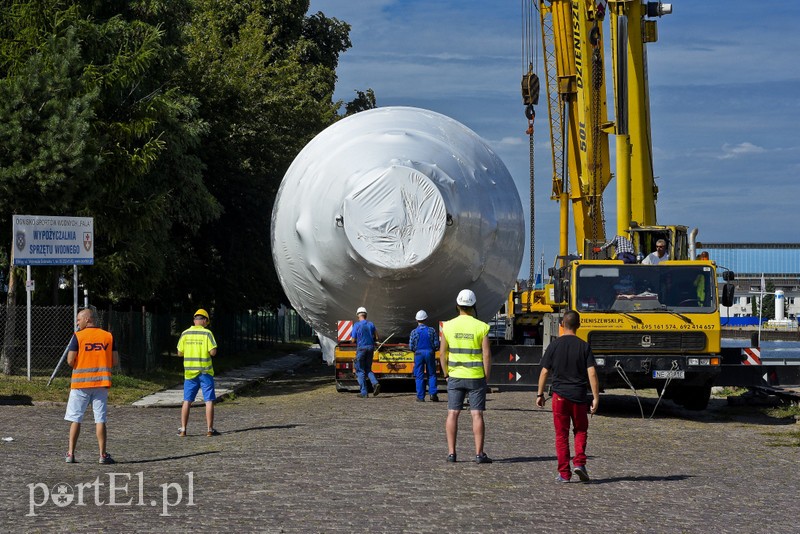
point(530, 89)
point(594, 35)
point(530, 113)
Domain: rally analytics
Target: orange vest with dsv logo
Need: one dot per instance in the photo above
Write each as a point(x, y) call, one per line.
point(94, 360)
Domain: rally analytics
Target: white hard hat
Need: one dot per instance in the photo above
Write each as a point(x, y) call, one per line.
point(421, 315)
point(361, 310)
point(466, 298)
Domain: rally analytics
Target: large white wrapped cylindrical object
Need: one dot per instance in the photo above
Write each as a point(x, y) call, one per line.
point(396, 209)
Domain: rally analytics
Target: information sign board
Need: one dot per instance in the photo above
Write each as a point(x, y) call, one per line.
point(53, 240)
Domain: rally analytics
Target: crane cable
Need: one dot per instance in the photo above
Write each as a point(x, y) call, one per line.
point(531, 276)
point(530, 98)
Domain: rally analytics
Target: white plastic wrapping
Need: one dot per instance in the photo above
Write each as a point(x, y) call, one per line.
point(396, 209)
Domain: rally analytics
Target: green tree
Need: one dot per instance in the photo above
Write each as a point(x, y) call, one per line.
point(766, 305)
point(97, 125)
point(362, 102)
point(45, 124)
point(45, 120)
point(149, 133)
point(265, 75)
point(171, 122)
point(768, 302)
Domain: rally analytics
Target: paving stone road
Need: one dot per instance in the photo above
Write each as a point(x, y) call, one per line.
point(295, 456)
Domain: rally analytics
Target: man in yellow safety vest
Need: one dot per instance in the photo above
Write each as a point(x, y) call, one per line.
point(197, 345)
point(466, 363)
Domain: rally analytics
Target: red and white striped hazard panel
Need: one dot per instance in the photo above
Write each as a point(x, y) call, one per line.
point(751, 356)
point(344, 330)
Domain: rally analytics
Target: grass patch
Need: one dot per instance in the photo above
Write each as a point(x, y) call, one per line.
point(124, 390)
point(781, 412)
point(129, 388)
point(784, 439)
point(731, 391)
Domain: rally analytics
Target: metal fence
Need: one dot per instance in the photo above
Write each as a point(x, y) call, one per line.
point(143, 339)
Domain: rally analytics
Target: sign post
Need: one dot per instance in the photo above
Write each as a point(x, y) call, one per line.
point(29, 286)
point(51, 240)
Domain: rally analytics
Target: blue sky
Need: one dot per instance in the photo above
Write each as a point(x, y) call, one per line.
point(724, 91)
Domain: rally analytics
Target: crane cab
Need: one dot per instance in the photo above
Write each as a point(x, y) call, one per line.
point(644, 242)
point(677, 237)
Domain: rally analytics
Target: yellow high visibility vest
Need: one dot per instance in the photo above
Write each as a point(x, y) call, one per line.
point(464, 336)
point(700, 286)
point(195, 344)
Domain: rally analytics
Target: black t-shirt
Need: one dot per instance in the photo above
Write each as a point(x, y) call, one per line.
point(567, 358)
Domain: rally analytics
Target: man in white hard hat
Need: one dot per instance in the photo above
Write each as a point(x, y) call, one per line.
point(466, 363)
point(424, 342)
point(365, 336)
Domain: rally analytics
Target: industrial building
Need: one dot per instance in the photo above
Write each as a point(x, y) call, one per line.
point(777, 263)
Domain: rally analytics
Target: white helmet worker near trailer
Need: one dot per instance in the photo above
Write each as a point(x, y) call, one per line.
point(365, 336)
point(465, 357)
point(421, 315)
point(466, 298)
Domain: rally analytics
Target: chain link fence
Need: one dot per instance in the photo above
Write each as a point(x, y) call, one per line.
point(143, 339)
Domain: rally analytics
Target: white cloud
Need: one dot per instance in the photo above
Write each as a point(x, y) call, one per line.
point(510, 141)
point(742, 149)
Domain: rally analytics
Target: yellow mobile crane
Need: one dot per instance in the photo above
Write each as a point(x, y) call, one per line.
point(648, 325)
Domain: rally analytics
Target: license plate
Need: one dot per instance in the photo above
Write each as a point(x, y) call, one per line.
point(394, 357)
point(669, 374)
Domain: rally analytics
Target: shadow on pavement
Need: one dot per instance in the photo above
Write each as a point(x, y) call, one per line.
point(524, 459)
point(643, 478)
point(16, 400)
point(308, 377)
point(271, 427)
point(166, 458)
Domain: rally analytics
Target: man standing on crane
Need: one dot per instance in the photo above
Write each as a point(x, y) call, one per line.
point(623, 246)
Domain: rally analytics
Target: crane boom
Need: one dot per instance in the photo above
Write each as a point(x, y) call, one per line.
point(631, 30)
point(576, 96)
point(573, 44)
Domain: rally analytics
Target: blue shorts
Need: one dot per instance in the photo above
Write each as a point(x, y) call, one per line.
point(79, 400)
point(459, 388)
point(191, 385)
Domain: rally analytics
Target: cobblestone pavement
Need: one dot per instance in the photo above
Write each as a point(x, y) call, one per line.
point(295, 456)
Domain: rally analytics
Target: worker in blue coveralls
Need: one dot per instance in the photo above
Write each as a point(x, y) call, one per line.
point(424, 342)
point(364, 336)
